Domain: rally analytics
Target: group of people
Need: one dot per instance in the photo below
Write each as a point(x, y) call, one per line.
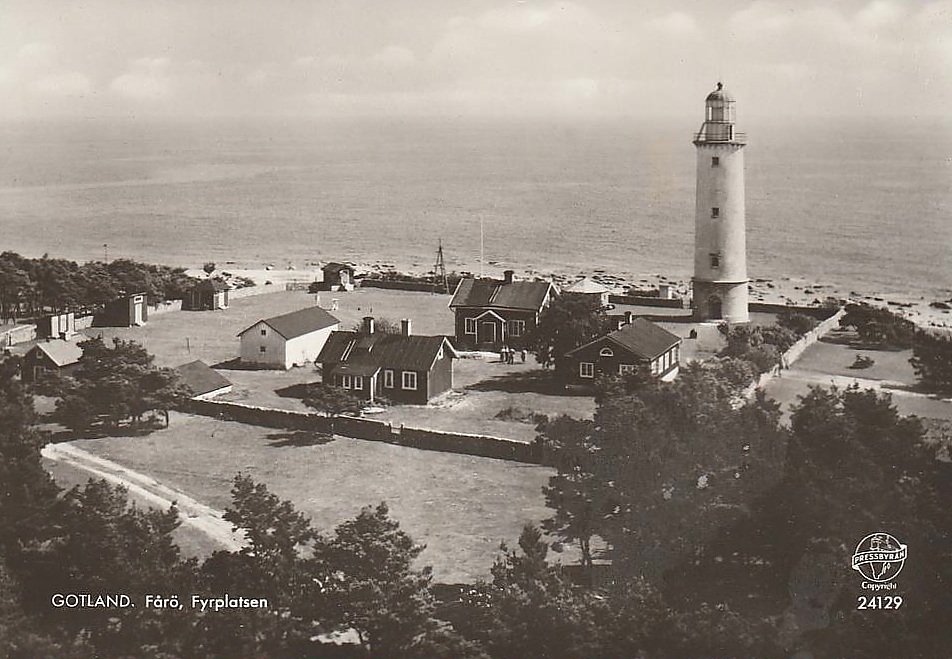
point(508, 356)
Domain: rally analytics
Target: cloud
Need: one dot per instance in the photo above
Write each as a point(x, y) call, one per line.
point(146, 79)
point(676, 23)
point(394, 56)
point(64, 84)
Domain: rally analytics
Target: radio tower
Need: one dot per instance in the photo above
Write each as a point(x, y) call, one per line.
point(440, 269)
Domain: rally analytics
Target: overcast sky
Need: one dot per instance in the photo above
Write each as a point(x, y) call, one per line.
point(472, 57)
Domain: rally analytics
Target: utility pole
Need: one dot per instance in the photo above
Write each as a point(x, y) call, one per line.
point(105, 252)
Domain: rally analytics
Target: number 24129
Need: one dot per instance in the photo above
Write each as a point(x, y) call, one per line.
point(879, 602)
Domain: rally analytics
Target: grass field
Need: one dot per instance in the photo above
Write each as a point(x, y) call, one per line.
point(828, 362)
point(461, 507)
point(178, 337)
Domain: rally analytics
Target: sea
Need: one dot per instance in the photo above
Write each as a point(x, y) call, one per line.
point(864, 205)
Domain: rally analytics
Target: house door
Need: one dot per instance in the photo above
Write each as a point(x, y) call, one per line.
point(487, 332)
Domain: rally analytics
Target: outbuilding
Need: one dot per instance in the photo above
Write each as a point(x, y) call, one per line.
point(50, 356)
point(291, 339)
point(204, 381)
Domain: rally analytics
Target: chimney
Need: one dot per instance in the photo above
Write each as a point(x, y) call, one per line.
point(628, 318)
point(368, 326)
point(507, 276)
point(405, 326)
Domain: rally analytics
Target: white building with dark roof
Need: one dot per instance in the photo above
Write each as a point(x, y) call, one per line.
point(292, 339)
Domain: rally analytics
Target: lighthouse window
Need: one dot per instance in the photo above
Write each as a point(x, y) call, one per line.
point(715, 212)
point(715, 260)
point(715, 162)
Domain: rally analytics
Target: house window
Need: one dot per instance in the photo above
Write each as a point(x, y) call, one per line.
point(262, 349)
point(715, 162)
point(715, 260)
point(264, 332)
point(655, 366)
point(606, 352)
point(409, 380)
point(586, 370)
point(347, 382)
point(517, 327)
point(626, 369)
point(469, 326)
point(388, 379)
point(358, 382)
point(715, 212)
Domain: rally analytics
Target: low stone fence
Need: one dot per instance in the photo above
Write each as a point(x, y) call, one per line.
point(795, 351)
point(647, 301)
point(369, 429)
point(820, 313)
point(165, 307)
point(397, 285)
point(248, 291)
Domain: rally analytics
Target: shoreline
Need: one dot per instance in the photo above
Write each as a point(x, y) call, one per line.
point(796, 291)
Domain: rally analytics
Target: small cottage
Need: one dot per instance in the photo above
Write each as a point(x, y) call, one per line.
point(126, 311)
point(403, 367)
point(207, 295)
point(491, 313)
point(338, 277)
point(204, 381)
point(50, 356)
point(292, 339)
point(637, 343)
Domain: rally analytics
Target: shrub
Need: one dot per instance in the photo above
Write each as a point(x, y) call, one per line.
point(932, 361)
point(879, 326)
point(796, 322)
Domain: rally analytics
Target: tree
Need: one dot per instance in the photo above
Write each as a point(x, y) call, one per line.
point(381, 326)
point(531, 610)
point(574, 492)
point(332, 401)
point(879, 327)
point(117, 383)
point(273, 565)
point(798, 323)
point(370, 585)
point(568, 322)
point(932, 360)
point(670, 463)
point(209, 267)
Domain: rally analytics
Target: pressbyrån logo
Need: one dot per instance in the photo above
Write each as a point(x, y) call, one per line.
point(879, 557)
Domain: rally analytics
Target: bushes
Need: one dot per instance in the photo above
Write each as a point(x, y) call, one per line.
point(880, 327)
point(762, 346)
point(932, 361)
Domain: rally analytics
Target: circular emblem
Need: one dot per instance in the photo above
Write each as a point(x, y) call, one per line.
point(879, 557)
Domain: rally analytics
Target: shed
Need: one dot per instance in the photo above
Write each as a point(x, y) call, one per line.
point(204, 381)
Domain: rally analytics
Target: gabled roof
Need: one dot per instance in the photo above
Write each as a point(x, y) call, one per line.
point(336, 267)
point(201, 378)
point(496, 294)
point(211, 284)
point(60, 352)
point(641, 337)
point(587, 285)
point(298, 323)
point(379, 350)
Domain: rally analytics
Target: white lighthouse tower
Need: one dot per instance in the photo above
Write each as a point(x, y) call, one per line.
point(720, 248)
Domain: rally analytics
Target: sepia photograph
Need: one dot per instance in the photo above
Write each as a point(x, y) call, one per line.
point(475, 329)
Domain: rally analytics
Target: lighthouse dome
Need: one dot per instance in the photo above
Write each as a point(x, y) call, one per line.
point(720, 94)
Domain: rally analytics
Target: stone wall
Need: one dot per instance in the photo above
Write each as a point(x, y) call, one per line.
point(369, 429)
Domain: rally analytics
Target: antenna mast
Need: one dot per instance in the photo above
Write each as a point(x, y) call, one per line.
point(440, 269)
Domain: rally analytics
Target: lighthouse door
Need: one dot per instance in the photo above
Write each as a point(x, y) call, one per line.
point(714, 307)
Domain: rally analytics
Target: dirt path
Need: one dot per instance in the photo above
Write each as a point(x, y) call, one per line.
point(826, 379)
point(196, 515)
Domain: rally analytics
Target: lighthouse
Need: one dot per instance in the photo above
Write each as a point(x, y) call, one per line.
point(720, 250)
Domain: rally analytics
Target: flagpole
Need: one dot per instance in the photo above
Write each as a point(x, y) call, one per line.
point(481, 245)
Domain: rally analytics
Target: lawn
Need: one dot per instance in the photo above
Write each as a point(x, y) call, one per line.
point(181, 336)
point(461, 507)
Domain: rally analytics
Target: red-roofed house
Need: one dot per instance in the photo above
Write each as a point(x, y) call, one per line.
point(292, 339)
point(639, 343)
point(492, 313)
point(400, 367)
